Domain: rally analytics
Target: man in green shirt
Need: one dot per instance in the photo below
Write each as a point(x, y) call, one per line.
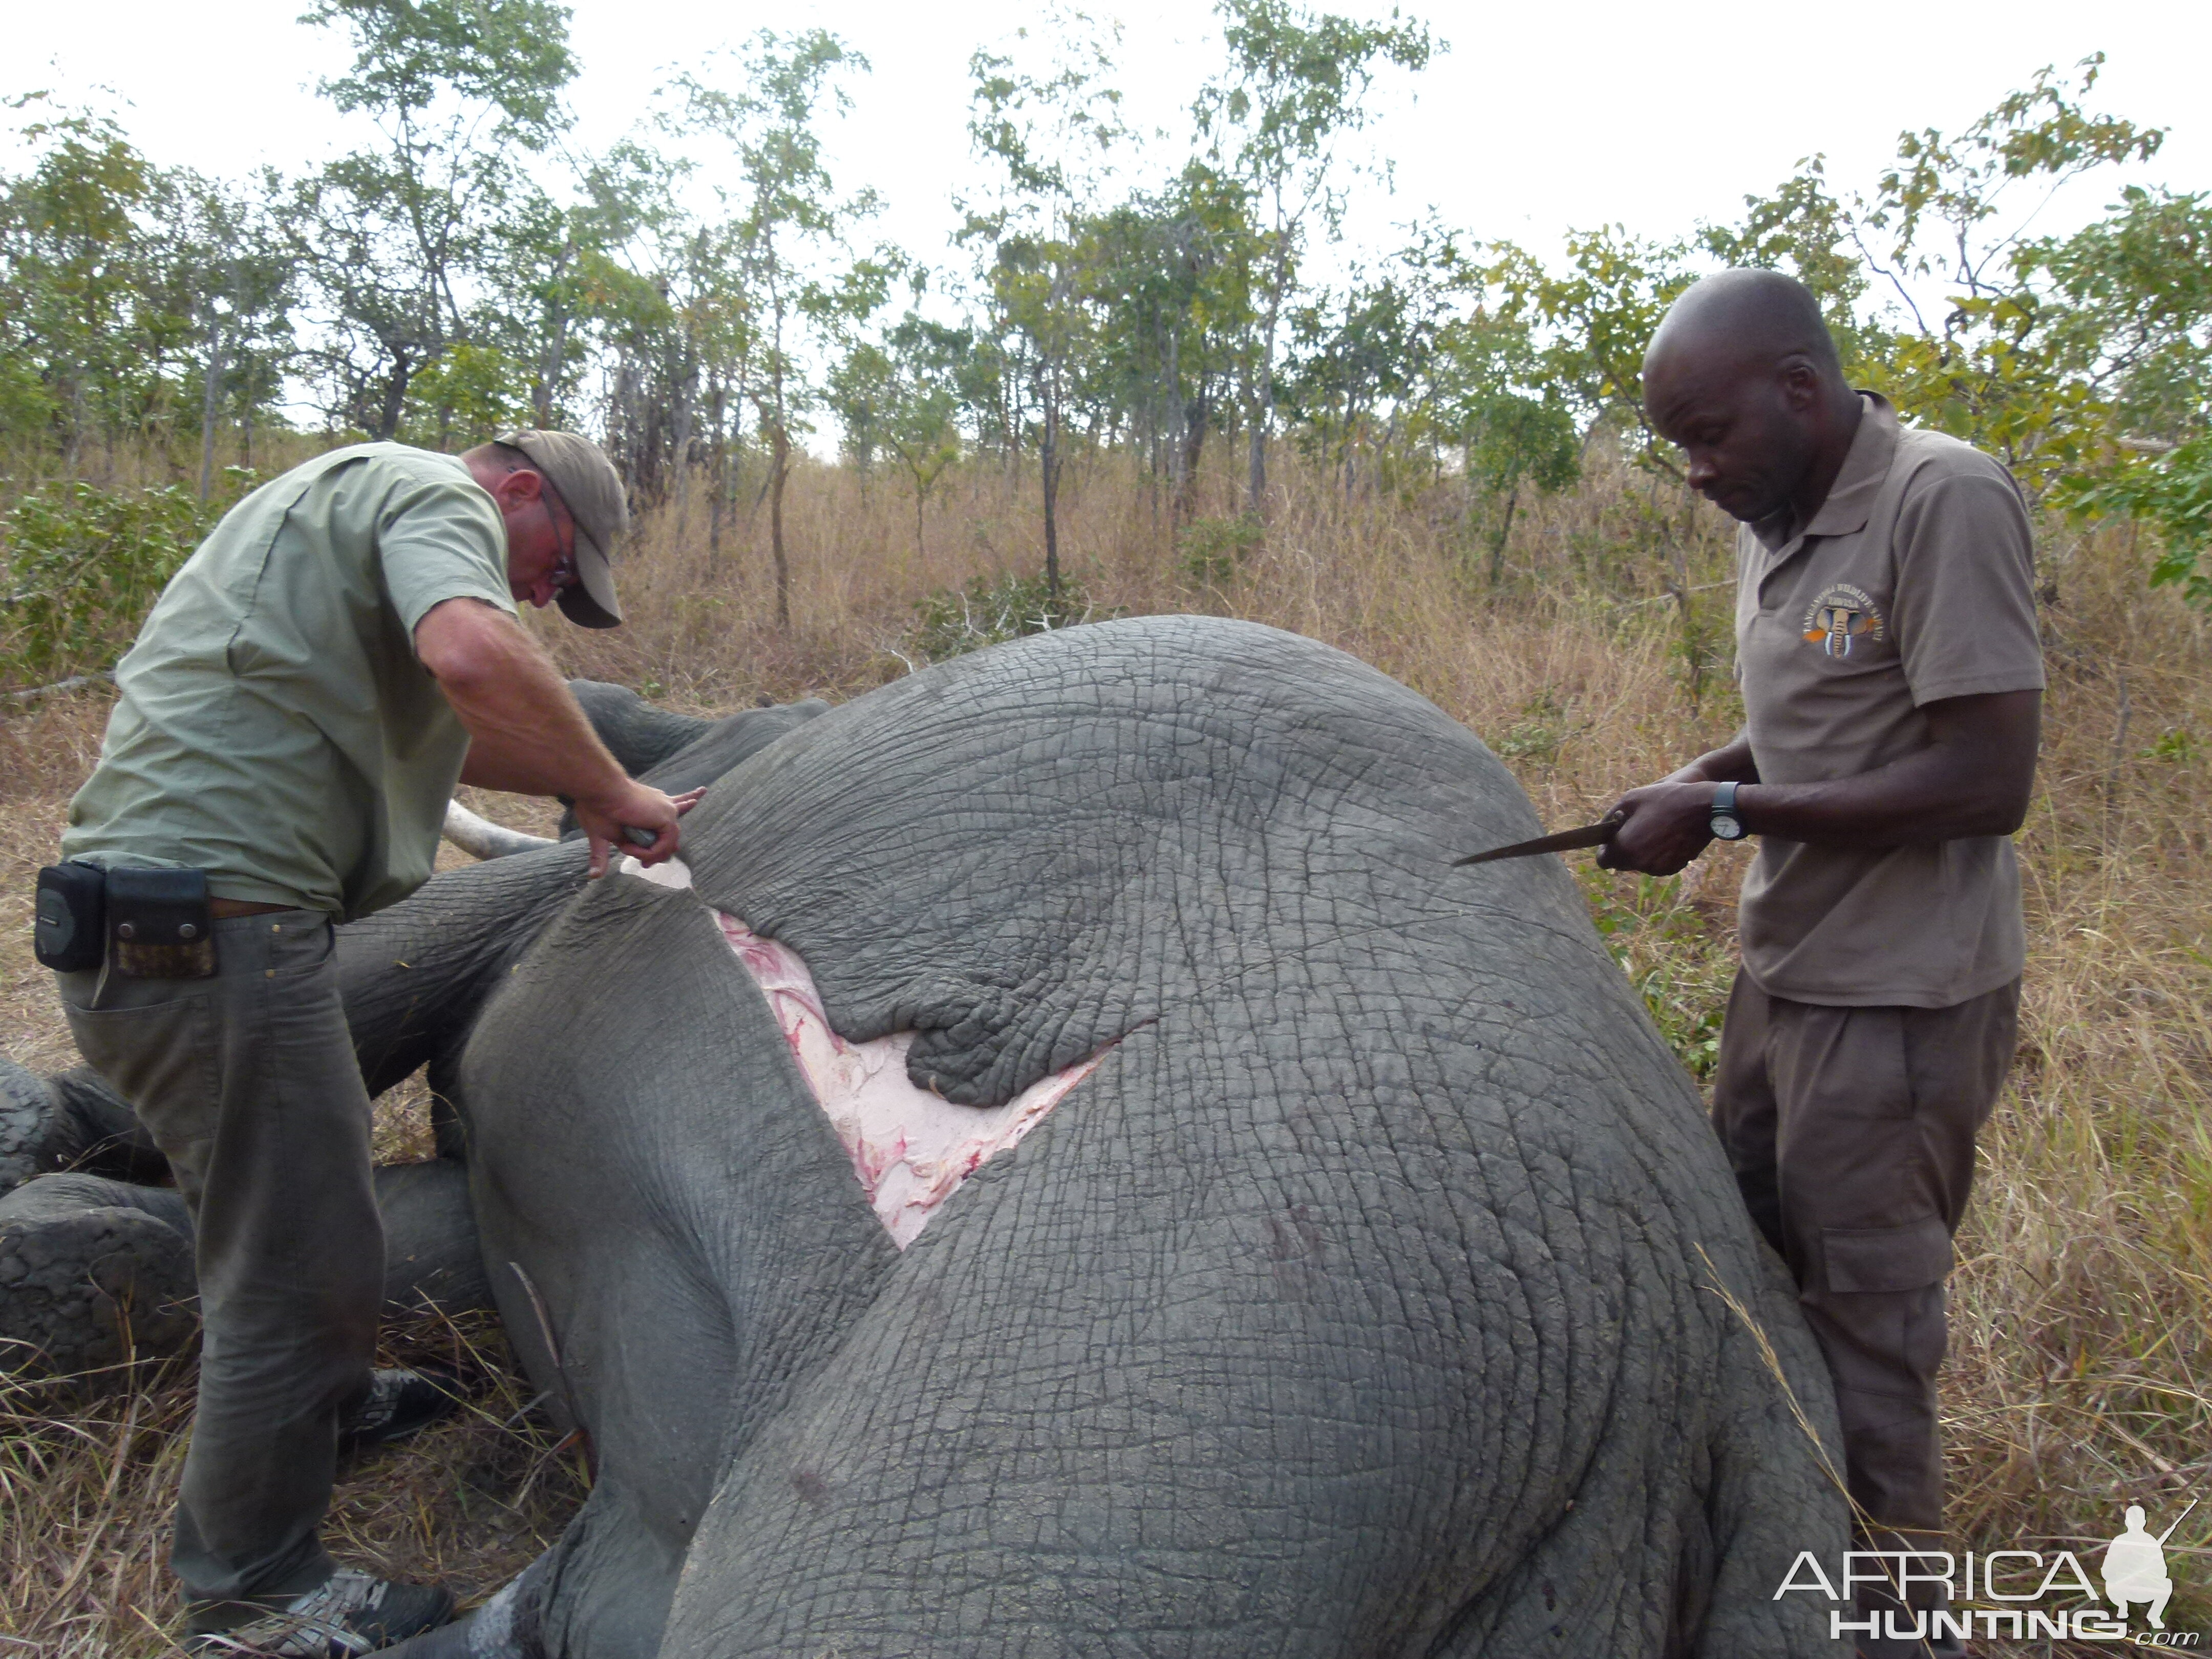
point(342, 651)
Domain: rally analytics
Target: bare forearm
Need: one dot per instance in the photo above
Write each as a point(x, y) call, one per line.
point(526, 734)
point(1973, 778)
point(1925, 797)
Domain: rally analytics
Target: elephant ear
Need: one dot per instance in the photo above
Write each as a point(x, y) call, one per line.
point(1026, 854)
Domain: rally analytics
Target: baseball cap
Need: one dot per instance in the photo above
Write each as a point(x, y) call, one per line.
point(592, 492)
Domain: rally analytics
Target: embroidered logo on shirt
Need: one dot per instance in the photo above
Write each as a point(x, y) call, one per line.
point(1842, 614)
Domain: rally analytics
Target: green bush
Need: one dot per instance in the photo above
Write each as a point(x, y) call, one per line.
point(990, 611)
point(1211, 549)
point(80, 566)
point(1680, 966)
point(2173, 494)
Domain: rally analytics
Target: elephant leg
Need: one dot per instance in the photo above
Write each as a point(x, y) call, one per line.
point(431, 1259)
point(95, 1271)
point(413, 975)
point(70, 1121)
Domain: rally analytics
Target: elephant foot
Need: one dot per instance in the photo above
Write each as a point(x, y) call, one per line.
point(506, 1627)
point(93, 1274)
point(71, 1120)
point(34, 1136)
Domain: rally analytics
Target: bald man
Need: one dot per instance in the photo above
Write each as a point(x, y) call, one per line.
point(1892, 679)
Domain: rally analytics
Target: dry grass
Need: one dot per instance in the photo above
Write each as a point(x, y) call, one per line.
point(2076, 1382)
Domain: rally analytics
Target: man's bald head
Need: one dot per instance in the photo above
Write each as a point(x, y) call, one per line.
point(1750, 317)
point(1743, 374)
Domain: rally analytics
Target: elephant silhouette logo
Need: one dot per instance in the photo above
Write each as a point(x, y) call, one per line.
point(1840, 616)
point(2135, 1567)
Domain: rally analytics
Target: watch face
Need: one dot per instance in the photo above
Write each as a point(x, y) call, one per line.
point(1727, 828)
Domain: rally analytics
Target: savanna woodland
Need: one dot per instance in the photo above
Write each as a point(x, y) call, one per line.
point(1131, 387)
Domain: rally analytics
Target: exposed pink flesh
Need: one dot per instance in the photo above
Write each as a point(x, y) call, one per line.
point(910, 1149)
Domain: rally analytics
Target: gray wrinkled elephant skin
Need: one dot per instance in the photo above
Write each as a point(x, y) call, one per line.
point(1338, 1265)
point(1369, 1296)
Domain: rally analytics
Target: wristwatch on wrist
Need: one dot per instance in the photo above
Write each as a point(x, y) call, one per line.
point(1726, 825)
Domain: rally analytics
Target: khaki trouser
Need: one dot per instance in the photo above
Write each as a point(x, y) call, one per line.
point(247, 1082)
point(1852, 1134)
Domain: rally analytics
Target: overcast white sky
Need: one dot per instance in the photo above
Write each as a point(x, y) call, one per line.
point(1539, 118)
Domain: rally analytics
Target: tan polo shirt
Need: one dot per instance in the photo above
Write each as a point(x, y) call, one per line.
point(1914, 582)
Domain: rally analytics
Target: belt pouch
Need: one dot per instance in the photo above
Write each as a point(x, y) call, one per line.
point(70, 926)
point(158, 925)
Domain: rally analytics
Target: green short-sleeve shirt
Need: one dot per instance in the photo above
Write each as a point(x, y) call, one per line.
point(273, 726)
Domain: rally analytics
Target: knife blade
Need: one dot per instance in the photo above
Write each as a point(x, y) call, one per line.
point(1567, 841)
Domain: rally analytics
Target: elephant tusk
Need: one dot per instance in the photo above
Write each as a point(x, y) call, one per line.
point(481, 838)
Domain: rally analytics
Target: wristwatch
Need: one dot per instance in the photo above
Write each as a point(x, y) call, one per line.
point(1726, 825)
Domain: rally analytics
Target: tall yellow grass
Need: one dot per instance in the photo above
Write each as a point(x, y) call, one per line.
point(2076, 1382)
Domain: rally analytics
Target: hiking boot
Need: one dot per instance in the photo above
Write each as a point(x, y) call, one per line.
point(349, 1613)
point(394, 1406)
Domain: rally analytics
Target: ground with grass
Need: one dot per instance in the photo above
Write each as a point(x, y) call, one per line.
point(2078, 1379)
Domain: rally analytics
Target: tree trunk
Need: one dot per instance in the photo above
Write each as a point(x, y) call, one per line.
point(554, 356)
point(1195, 413)
point(721, 508)
point(1049, 454)
point(1504, 530)
point(1264, 403)
point(395, 399)
point(918, 499)
point(779, 466)
point(1255, 461)
point(680, 442)
point(1179, 440)
point(210, 401)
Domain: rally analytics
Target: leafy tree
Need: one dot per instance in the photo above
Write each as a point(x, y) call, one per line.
point(1165, 284)
point(396, 240)
point(1295, 82)
point(233, 274)
point(1047, 134)
point(1592, 321)
point(2173, 494)
point(90, 319)
point(2131, 302)
point(900, 397)
point(1356, 365)
point(788, 225)
point(2015, 343)
point(644, 273)
point(84, 565)
point(1512, 428)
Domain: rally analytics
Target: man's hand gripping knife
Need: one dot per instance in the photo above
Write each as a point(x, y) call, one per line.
point(1973, 778)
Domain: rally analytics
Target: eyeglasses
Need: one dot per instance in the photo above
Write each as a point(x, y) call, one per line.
point(564, 570)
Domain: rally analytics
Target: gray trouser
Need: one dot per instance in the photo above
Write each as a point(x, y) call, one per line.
point(247, 1082)
point(1852, 1134)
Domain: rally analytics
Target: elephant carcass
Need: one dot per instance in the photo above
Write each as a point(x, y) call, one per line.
point(1364, 1280)
point(1374, 1286)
